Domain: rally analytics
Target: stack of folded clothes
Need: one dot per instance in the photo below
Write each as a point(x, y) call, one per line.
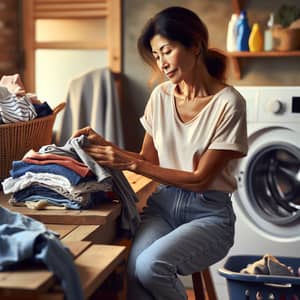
point(67, 177)
point(54, 176)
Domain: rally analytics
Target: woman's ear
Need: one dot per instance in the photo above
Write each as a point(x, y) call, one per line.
point(197, 49)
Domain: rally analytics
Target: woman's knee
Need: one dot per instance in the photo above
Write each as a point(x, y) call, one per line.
point(151, 270)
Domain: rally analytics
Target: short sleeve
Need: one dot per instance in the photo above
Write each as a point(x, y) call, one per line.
point(231, 131)
point(147, 118)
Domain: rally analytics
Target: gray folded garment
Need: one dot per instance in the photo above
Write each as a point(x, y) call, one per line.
point(268, 265)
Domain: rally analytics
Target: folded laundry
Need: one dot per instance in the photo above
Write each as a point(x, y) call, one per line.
point(29, 184)
point(74, 147)
point(19, 168)
point(34, 157)
point(268, 265)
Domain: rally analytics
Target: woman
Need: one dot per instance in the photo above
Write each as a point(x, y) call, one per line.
point(195, 127)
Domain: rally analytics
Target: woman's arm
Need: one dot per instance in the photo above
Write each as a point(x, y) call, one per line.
point(100, 147)
point(210, 164)
point(146, 163)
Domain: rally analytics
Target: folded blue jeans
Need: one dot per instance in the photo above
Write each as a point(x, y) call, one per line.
point(181, 232)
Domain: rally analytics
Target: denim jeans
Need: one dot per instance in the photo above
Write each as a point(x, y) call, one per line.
point(181, 232)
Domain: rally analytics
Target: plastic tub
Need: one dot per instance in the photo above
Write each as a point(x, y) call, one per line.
point(245, 286)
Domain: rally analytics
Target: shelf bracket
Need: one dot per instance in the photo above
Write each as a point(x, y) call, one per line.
point(236, 67)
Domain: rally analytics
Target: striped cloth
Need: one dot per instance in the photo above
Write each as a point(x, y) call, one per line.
point(15, 109)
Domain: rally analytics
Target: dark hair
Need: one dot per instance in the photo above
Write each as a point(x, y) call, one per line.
point(184, 26)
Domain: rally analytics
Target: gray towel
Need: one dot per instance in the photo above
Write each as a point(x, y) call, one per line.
point(92, 100)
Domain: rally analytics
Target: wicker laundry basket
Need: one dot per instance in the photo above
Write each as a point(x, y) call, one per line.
point(17, 138)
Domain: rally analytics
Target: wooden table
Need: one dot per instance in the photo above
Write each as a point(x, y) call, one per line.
point(84, 232)
point(94, 264)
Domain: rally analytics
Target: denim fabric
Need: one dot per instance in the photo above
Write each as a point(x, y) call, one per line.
point(23, 238)
point(181, 232)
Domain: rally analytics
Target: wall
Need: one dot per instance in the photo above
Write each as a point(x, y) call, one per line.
point(260, 71)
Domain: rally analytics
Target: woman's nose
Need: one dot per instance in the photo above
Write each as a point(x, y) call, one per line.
point(163, 64)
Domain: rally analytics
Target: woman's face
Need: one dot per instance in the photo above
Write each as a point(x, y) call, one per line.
point(173, 59)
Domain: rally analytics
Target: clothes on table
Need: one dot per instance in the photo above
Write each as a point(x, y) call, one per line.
point(30, 182)
point(130, 218)
point(45, 158)
point(25, 239)
point(58, 183)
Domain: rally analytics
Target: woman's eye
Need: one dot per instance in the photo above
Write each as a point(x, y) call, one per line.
point(168, 52)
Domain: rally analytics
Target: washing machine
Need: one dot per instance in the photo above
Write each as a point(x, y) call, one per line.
point(267, 201)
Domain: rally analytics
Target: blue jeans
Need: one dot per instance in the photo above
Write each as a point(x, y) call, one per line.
point(181, 232)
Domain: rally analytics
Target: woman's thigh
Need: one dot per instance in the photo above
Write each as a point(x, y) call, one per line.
point(188, 248)
point(152, 227)
point(204, 237)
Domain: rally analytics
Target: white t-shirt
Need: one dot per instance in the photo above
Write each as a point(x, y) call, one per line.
point(221, 124)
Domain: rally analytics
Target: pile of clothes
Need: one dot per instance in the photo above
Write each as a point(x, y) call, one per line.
point(268, 265)
point(18, 106)
point(68, 178)
point(24, 239)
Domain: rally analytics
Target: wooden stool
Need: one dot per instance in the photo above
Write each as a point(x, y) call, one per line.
point(203, 286)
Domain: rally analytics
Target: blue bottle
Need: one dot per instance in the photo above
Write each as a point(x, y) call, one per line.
point(243, 32)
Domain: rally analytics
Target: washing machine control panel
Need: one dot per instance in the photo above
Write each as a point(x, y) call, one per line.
point(267, 104)
point(275, 106)
point(296, 104)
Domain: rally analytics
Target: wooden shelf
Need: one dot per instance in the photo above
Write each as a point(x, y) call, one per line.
point(263, 54)
point(235, 56)
point(71, 45)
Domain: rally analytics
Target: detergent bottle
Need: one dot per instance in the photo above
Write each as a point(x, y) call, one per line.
point(256, 41)
point(231, 39)
point(243, 32)
point(268, 38)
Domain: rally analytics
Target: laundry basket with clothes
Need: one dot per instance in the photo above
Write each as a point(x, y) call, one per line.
point(262, 277)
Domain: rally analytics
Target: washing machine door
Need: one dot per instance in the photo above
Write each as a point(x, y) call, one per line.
point(269, 183)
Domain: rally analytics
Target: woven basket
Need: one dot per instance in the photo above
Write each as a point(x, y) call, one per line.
point(18, 138)
point(286, 39)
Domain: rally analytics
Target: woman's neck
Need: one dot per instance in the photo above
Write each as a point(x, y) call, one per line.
point(199, 85)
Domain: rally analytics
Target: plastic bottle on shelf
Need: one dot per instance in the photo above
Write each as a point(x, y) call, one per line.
point(231, 40)
point(243, 32)
point(256, 41)
point(268, 38)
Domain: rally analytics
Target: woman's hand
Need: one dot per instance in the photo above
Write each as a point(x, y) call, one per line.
point(111, 157)
point(93, 137)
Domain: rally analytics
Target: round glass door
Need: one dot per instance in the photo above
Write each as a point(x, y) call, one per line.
point(273, 183)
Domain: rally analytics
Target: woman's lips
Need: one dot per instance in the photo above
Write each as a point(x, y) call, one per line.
point(171, 73)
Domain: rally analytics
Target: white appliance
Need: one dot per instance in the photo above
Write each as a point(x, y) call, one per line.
point(267, 202)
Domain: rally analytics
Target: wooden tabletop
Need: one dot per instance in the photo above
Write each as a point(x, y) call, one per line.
point(94, 264)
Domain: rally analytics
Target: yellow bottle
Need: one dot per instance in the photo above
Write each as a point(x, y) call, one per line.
point(256, 41)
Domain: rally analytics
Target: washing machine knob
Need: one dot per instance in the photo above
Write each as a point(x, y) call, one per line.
point(275, 106)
